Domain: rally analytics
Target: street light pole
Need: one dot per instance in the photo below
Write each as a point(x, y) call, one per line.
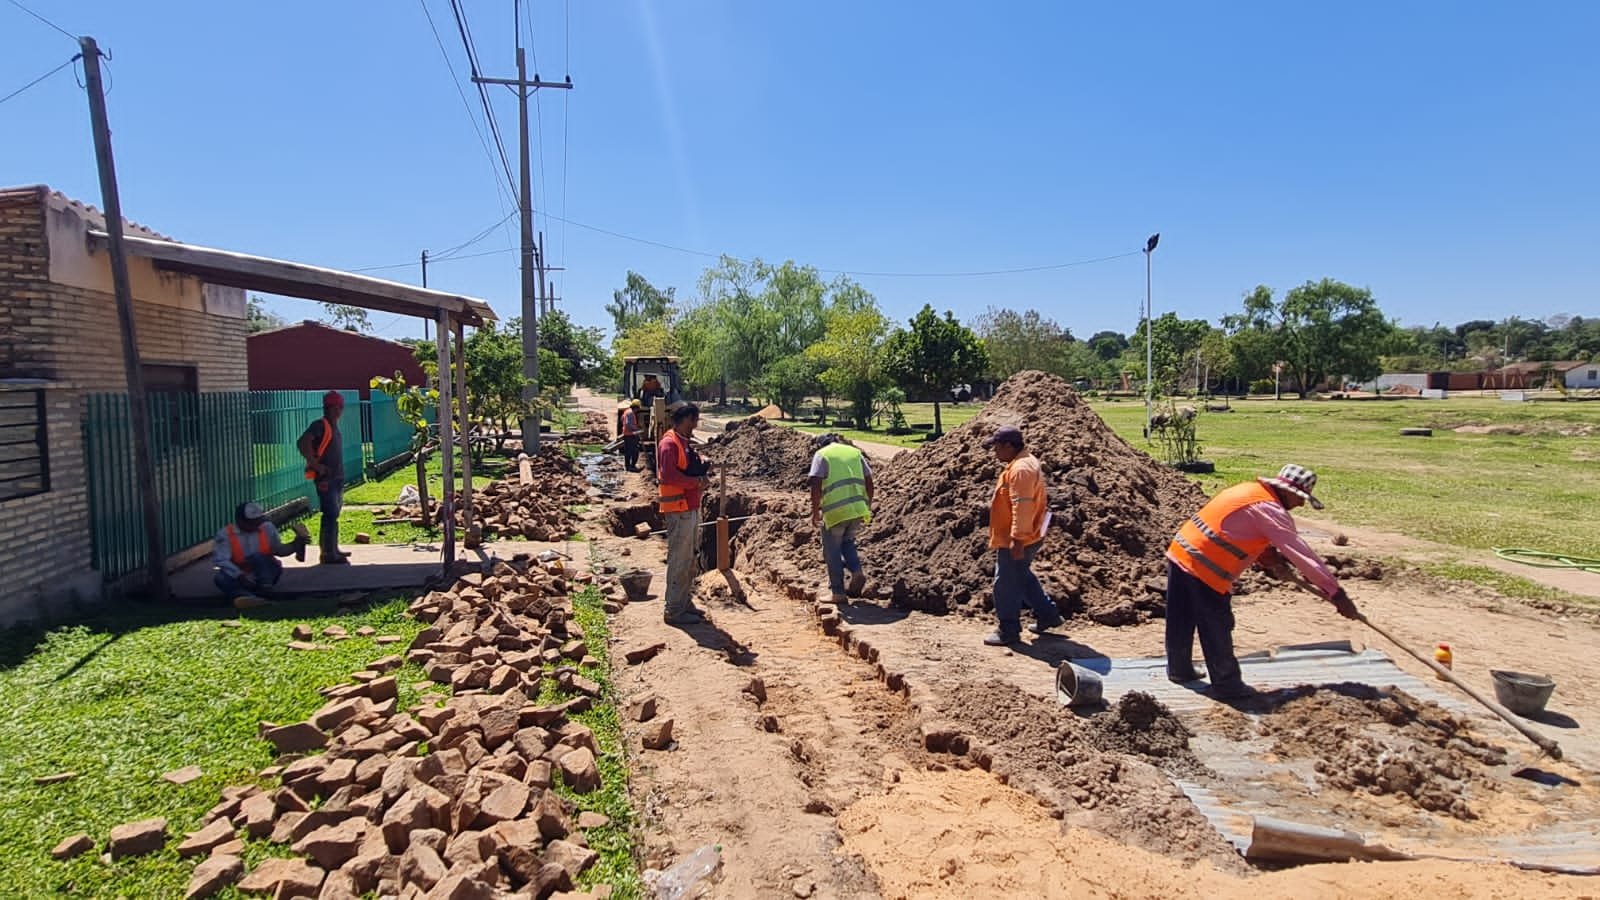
point(1149, 342)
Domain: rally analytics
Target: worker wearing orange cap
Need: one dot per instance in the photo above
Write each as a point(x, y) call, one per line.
point(323, 450)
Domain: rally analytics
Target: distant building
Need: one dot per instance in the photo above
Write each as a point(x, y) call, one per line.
point(1584, 377)
point(312, 356)
point(60, 341)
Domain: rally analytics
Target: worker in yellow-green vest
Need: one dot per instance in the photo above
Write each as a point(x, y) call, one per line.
point(841, 503)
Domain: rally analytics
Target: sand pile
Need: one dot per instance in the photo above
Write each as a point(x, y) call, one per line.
point(1366, 740)
point(1100, 773)
point(754, 449)
point(1114, 510)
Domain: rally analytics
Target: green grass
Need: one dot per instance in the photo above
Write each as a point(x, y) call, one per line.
point(618, 864)
point(1505, 583)
point(1471, 491)
point(352, 521)
point(123, 698)
point(950, 416)
point(387, 490)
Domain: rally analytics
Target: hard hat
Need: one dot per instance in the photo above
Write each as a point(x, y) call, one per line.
point(636, 405)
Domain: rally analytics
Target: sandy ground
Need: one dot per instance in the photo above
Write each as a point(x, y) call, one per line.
point(824, 789)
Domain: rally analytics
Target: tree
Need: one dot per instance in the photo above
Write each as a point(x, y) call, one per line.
point(1017, 341)
point(1107, 345)
point(1319, 329)
point(350, 318)
point(851, 358)
point(579, 346)
point(933, 356)
point(653, 338)
point(258, 318)
point(789, 380)
point(1172, 350)
point(637, 303)
point(412, 403)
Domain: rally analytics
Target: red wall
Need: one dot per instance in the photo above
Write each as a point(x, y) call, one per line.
point(315, 357)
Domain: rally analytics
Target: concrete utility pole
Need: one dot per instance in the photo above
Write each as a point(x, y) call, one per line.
point(1149, 342)
point(138, 402)
point(532, 268)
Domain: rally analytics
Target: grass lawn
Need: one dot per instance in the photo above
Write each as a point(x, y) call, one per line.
point(352, 521)
point(1473, 491)
point(123, 698)
point(950, 415)
point(387, 491)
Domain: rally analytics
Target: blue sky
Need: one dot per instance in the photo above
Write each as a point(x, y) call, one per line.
point(1439, 153)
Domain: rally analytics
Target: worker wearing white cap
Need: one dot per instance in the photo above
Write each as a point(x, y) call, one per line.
point(245, 555)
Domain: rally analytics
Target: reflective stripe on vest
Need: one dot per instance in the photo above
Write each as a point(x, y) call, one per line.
point(1204, 551)
point(670, 497)
point(844, 489)
point(237, 547)
point(322, 447)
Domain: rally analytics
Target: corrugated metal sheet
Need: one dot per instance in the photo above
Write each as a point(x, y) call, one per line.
point(1253, 781)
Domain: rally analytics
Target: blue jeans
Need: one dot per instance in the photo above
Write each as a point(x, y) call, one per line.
point(683, 552)
point(330, 502)
point(839, 552)
point(265, 569)
point(1192, 606)
point(1015, 585)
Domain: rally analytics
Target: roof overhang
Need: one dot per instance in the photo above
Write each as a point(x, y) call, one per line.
point(292, 279)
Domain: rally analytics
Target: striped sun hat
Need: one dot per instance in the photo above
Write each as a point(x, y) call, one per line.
point(1297, 480)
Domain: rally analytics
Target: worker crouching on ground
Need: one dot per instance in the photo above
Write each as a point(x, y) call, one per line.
point(1239, 525)
point(841, 504)
point(630, 436)
point(245, 556)
point(683, 478)
point(323, 449)
point(1016, 532)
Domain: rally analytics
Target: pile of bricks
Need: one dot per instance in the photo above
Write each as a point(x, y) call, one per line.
point(536, 511)
point(472, 817)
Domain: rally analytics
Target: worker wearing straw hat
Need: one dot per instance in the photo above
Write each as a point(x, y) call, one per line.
point(1244, 524)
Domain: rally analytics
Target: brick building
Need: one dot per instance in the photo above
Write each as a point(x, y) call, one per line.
point(59, 341)
point(313, 356)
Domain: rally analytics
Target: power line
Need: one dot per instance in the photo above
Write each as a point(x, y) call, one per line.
point(70, 36)
point(41, 78)
point(450, 254)
point(454, 79)
point(413, 263)
point(483, 92)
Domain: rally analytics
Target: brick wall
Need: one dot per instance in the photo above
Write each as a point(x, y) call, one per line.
point(71, 335)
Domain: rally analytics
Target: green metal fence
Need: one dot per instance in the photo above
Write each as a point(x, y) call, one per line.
point(390, 435)
point(211, 452)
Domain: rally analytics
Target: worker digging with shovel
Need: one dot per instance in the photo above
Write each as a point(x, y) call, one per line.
point(1243, 524)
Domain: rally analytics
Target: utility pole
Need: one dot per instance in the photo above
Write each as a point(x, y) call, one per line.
point(532, 271)
point(1149, 342)
point(138, 402)
point(424, 285)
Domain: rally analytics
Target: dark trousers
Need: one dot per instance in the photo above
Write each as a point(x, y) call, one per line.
point(1193, 607)
point(330, 502)
point(265, 570)
point(630, 452)
point(1015, 586)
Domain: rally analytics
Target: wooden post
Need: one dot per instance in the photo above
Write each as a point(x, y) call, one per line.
point(447, 440)
point(724, 551)
point(466, 427)
point(138, 403)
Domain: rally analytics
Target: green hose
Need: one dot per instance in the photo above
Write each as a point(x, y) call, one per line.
point(1546, 560)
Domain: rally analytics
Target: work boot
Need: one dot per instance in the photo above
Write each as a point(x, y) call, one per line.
point(1185, 676)
point(1040, 627)
point(687, 617)
point(838, 599)
point(858, 582)
point(248, 601)
point(1240, 691)
point(999, 638)
point(339, 560)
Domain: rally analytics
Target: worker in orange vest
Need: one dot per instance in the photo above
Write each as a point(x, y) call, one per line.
point(245, 556)
point(630, 436)
point(1239, 526)
point(683, 478)
point(1018, 513)
point(323, 449)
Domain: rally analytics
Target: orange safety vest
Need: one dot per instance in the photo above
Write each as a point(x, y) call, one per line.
point(322, 447)
point(239, 558)
point(671, 497)
point(1205, 552)
point(630, 423)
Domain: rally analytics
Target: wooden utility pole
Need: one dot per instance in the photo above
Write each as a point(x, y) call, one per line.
point(138, 402)
point(532, 267)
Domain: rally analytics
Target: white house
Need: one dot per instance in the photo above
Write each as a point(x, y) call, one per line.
point(1585, 377)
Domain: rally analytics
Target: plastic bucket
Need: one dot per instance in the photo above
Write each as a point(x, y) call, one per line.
point(1522, 693)
point(1077, 686)
point(636, 585)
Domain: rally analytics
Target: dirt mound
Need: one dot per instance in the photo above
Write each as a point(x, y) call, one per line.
point(596, 429)
point(1140, 725)
point(1114, 510)
point(1384, 742)
point(754, 449)
point(1039, 747)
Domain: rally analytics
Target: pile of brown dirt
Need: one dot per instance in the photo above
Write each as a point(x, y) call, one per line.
point(1038, 746)
point(596, 429)
point(754, 449)
point(1114, 510)
point(1425, 754)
